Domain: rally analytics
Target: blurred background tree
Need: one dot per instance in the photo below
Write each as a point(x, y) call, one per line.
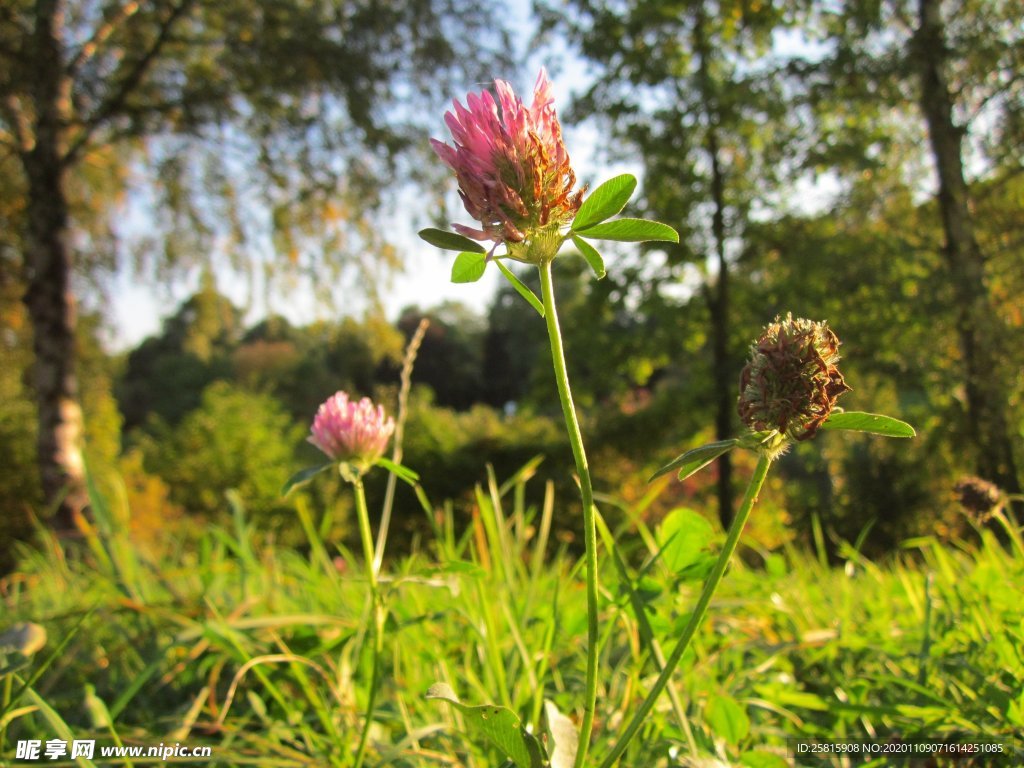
point(930, 95)
point(692, 91)
point(790, 142)
point(297, 110)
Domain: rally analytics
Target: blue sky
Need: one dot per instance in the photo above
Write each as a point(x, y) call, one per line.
point(138, 306)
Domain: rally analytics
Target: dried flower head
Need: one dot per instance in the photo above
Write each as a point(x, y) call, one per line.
point(355, 433)
point(513, 169)
point(979, 498)
point(791, 382)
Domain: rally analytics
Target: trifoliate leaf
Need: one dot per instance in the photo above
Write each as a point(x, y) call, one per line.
point(589, 252)
point(631, 231)
point(469, 266)
point(695, 459)
point(605, 201)
point(873, 423)
point(450, 241)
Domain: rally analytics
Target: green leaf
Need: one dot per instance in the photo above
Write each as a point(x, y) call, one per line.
point(469, 267)
point(631, 231)
point(303, 476)
point(605, 201)
point(727, 718)
point(695, 459)
point(684, 537)
point(589, 252)
point(498, 725)
point(450, 241)
point(398, 470)
point(873, 423)
point(460, 567)
point(760, 759)
point(522, 288)
point(790, 698)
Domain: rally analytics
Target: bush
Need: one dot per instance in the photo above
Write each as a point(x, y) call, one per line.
point(236, 440)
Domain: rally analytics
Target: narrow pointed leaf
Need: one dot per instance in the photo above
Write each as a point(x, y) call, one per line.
point(498, 725)
point(697, 459)
point(631, 231)
point(398, 470)
point(469, 267)
point(522, 288)
point(872, 423)
point(303, 476)
point(450, 241)
point(605, 201)
point(589, 252)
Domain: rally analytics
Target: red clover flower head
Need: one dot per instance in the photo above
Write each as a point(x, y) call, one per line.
point(350, 432)
point(791, 382)
point(511, 163)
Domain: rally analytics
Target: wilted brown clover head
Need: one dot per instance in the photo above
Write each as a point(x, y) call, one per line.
point(978, 497)
point(791, 382)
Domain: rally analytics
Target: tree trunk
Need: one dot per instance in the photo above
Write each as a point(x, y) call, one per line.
point(977, 323)
point(48, 298)
point(723, 381)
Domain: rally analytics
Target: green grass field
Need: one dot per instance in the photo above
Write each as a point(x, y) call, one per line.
point(258, 652)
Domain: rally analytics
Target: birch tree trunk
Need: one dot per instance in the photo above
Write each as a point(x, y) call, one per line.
point(48, 270)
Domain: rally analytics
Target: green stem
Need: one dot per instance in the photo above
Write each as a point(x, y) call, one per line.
point(572, 425)
point(731, 540)
point(377, 619)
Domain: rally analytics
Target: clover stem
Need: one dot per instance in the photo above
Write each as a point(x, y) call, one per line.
point(376, 608)
point(587, 493)
point(731, 540)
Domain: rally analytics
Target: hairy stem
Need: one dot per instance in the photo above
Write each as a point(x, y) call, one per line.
point(377, 615)
point(731, 540)
point(572, 425)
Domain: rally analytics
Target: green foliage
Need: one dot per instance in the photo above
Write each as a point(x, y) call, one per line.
point(921, 646)
point(468, 267)
point(165, 376)
point(19, 483)
point(451, 356)
point(234, 440)
point(631, 231)
point(498, 725)
point(604, 202)
point(20, 497)
point(445, 447)
point(450, 241)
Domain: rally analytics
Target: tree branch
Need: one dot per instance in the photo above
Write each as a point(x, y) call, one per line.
point(110, 106)
point(100, 36)
point(15, 116)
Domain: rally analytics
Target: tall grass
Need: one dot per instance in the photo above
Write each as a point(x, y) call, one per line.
point(258, 650)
